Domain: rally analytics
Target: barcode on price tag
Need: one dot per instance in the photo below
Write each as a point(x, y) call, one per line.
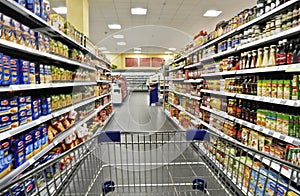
point(282, 101)
point(282, 137)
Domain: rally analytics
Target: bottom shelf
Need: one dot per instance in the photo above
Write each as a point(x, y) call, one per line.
point(174, 120)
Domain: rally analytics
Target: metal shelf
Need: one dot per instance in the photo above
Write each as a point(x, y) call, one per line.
point(218, 93)
point(219, 73)
point(105, 123)
point(56, 141)
point(272, 133)
point(177, 79)
point(183, 110)
point(103, 81)
point(186, 95)
point(193, 80)
point(174, 120)
point(52, 57)
point(176, 68)
point(43, 86)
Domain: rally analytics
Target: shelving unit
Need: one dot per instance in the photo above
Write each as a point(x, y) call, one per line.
point(207, 67)
point(26, 17)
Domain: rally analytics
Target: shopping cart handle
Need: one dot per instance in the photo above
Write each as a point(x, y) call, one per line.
point(200, 184)
point(108, 186)
point(195, 135)
point(109, 136)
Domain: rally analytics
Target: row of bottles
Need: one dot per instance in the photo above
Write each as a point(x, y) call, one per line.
point(286, 52)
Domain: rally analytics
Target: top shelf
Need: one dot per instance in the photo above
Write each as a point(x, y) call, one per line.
point(26, 17)
point(259, 19)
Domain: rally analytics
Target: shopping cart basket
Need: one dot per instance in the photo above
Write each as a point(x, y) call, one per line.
point(158, 163)
point(115, 163)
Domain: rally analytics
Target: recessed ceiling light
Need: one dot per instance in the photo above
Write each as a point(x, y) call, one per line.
point(102, 48)
point(172, 49)
point(168, 52)
point(60, 10)
point(121, 43)
point(137, 52)
point(114, 26)
point(138, 49)
point(106, 52)
point(138, 11)
point(212, 13)
point(118, 36)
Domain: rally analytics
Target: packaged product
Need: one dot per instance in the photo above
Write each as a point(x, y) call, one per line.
point(287, 89)
point(296, 125)
point(45, 10)
point(24, 72)
point(268, 88)
point(21, 2)
point(32, 73)
point(33, 42)
point(8, 29)
point(279, 122)
point(18, 33)
point(285, 124)
point(261, 143)
point(18, 150)
point(26, 36)
point(268, 119)
point(34, 6)
point(280, 89)
point(23, 117)
point(46, 41)
point(259, 87)
point(28, 139)
point(245, 136)
point(37, 140)
point(44, 141)
point(57, 21)
point(6, 71)
point(5, 157)
point(40, 74)
point(1, 68)
point(64, 120)
point(291, 125)
point(52, 132)
point(253, 140)
point(295, 88)
point(274, 89)
point(273, 120)
point(57, 125)
point(14, 63)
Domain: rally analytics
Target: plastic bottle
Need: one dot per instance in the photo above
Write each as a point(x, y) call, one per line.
point(259, 58)
point(265, 61)
point(272, 58)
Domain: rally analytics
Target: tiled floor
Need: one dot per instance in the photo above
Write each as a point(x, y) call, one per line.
point(135, 114)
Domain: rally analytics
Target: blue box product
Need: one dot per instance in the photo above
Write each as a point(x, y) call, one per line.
point(45, 10)
point(5, 157)
point(4, 106)
point(26, 36)
point(5, 127)
point(39, 38)
point(32, 73)
point(34, 6)
point(22, 103)
point(44, 142)
point(6, 70)
point(29, 144)
point(18, 151)
point(35, 109)
point(24, 72)
point(18, 33)
point(7, 28)
point(46, 106)
point(23, 117)
point(14, 65)
point(21, 2)
point(37, 140)
point(14, 121)
point(1, 66)
point(29, 187)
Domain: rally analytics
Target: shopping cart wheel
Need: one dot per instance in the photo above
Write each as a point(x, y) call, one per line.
point(200, 184)
point(108, 186)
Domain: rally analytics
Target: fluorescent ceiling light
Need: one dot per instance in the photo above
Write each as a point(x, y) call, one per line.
point(102, 48)
point(168, 52)
point(137, 52)
point(118, 36)
point(114, 26)
point(172, 49)
point(212, 13)
point(60, 10)
point(121, 43)
point(138, 49)
point(106, 52)
point(138, 11)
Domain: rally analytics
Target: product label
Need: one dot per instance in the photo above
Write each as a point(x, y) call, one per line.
point(14, 71)
point(6, 70)
point(32, 73)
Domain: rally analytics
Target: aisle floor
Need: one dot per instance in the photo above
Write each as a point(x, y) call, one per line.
point(135, 114)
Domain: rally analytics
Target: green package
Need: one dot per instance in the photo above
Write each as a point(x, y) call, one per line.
point(259, 87)
point(268, 119)
point(291, 126)
point(273, 119)
point(280, 89)
point(285, 123)
point(287, 89)
point(274, 89)
point(296, 125)
point(279, 122)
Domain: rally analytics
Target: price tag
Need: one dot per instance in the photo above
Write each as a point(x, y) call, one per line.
point(271, 100)
point(271, 133)
point(261, 99)
point(246, 96)
point(282, 137)
point(252, 126)
point(261, 129)
point(14, 87)
point(296, 142)
point(282, 101)
point(31, 161)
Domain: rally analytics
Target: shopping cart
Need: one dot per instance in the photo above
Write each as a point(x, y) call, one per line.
point(156, 163)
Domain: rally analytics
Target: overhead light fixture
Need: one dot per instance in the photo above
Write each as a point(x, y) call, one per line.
point(118, 36)
point(102, 48)
point(114, 26)
point(137, 52)
point(172, 49)
point(138, 11)
point(212, 13)
point(137, 49)
point(168, 52)
point(121, 43)
point(106, 52)
point(60, 10)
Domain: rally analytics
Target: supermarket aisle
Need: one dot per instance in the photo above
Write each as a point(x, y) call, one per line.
point(135, 114)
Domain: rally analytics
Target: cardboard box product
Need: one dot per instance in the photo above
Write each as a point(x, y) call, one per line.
point(6, 70)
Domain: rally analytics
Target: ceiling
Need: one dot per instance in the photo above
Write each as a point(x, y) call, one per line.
point(168, 23)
